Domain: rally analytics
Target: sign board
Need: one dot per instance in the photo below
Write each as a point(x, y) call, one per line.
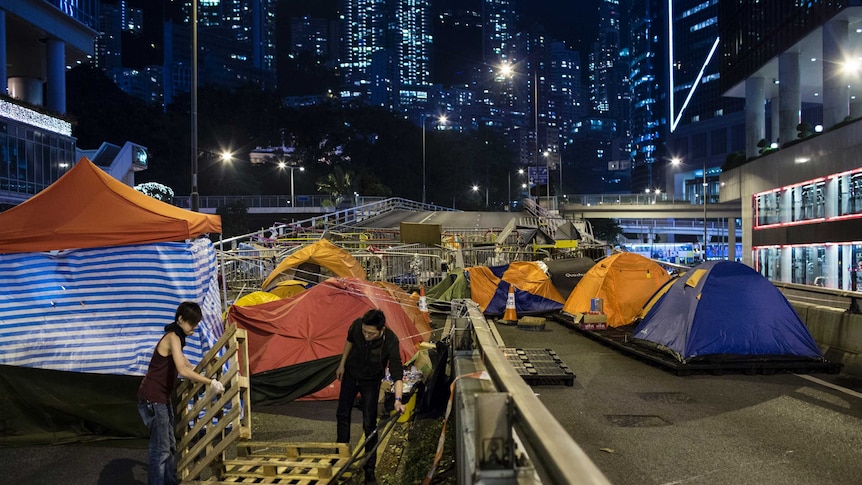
point(541, 178)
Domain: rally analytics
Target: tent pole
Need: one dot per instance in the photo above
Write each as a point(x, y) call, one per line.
point(223, 274)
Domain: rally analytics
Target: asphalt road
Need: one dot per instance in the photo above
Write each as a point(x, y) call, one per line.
point(643, 425)
point(639, 424)
point(125, 462)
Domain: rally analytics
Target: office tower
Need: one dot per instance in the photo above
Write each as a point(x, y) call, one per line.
point(802, 201)
point(704, 127)
point(236, 42)
point(648, 81)
point(386, 47)
point(108, 46)
point(36, 143)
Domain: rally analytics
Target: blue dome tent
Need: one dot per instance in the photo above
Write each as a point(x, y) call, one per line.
point(724, 311)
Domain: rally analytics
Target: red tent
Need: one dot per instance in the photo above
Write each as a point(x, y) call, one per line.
point(309, 331)
point(87, 208)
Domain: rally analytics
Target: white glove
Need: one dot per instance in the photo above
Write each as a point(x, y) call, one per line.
point(217, 386)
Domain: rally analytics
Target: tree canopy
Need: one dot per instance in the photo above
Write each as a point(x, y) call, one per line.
point(382, 151)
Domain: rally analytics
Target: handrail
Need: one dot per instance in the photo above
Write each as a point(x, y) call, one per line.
point(559, 459)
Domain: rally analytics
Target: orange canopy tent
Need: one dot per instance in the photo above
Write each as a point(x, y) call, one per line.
point(87, 208)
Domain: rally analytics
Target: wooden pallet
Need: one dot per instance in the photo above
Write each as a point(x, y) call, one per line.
point(209, 425)
point(540, 366)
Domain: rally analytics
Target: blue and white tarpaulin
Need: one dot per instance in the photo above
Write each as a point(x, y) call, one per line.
point(103, 310)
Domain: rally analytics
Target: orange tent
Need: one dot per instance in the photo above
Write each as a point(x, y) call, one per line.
point(624, 282)
point(87, 208)
point(322, 253)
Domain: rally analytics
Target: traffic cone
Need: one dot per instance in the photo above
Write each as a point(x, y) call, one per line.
point(423, 305)
point(510, 316)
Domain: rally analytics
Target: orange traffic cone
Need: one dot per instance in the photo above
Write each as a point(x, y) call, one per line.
point(510, 316)
point(423, 305)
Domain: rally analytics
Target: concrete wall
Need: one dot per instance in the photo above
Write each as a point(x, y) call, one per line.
point(837, 332)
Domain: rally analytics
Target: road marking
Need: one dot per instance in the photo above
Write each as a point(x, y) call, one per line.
point(830, 385)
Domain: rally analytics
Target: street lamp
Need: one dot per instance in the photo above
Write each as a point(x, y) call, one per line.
point(282, 165)
point(476, 189)
point(277, 155)
point(194, 197)
point(705, 189)
point(520, 172)
point(507, 70)
point(676, 161)
point(440, 119)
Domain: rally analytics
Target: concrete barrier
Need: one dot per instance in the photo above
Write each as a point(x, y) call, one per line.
point(837, 332)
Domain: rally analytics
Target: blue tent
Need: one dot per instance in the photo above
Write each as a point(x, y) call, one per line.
point(721, 311)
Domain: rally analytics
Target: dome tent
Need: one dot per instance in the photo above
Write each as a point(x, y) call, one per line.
point(624, 282)
point(723, 310)
point(295, 344)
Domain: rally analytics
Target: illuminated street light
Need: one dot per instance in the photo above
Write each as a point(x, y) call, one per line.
point(442, 120)
point(476, 189)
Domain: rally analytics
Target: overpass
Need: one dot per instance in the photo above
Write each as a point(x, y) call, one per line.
point(637, 213)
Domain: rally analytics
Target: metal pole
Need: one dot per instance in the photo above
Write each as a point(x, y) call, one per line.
point(292, 197)
point(423, 158)
point(704, 208)
point(509, 202)
point(536, 125)
point(194, 196)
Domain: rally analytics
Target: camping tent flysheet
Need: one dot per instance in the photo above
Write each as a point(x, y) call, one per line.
point(723, 310)
point(624, 282)
point(322, 253)
point(308, 331)
point(534, 292)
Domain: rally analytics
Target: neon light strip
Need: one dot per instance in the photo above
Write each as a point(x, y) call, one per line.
point(674, 120)
point(779, 246)
point(810, 221)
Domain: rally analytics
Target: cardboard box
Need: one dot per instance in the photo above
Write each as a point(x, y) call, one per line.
point(592, 321)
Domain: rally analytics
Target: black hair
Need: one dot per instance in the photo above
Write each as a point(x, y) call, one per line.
point(190, 311)
point(374, 318)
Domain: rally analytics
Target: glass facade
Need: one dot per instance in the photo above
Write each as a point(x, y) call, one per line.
point(756, 31)
point(827, 265)
point(834, 198)
point(837, 196)
point(30, 158)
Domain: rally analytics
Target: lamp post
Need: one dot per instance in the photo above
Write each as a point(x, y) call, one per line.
point(476, 189)
point(440, 119)
point(520, 172)
point(282, 165)
point(507, 70)
point(194, 197)
point(705, 188)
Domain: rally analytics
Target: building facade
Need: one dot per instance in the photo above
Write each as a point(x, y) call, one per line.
point(793, 65)
point(40, 41)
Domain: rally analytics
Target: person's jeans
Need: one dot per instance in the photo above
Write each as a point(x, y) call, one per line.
point(159, 419)
point(369, 392)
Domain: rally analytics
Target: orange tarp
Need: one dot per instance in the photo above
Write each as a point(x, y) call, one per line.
point(322, 253)
point(87, 208)
point(624, 282)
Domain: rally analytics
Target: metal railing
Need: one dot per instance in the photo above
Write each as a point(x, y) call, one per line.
point(552, 452)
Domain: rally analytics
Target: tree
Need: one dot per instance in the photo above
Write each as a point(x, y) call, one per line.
point(234, 219)
point(338, 184)
point(607, 230)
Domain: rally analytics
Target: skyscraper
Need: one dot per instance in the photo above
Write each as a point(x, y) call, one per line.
point(385, 51)
point(649, 104)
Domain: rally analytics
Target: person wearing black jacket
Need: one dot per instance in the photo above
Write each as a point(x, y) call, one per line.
point(370, 348)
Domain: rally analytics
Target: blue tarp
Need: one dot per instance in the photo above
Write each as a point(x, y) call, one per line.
point(722, 310)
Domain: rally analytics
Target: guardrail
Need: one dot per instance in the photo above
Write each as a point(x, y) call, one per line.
point(553, 455)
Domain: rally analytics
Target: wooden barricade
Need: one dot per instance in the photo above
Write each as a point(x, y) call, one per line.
point(214, 432)
point(207, 425)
